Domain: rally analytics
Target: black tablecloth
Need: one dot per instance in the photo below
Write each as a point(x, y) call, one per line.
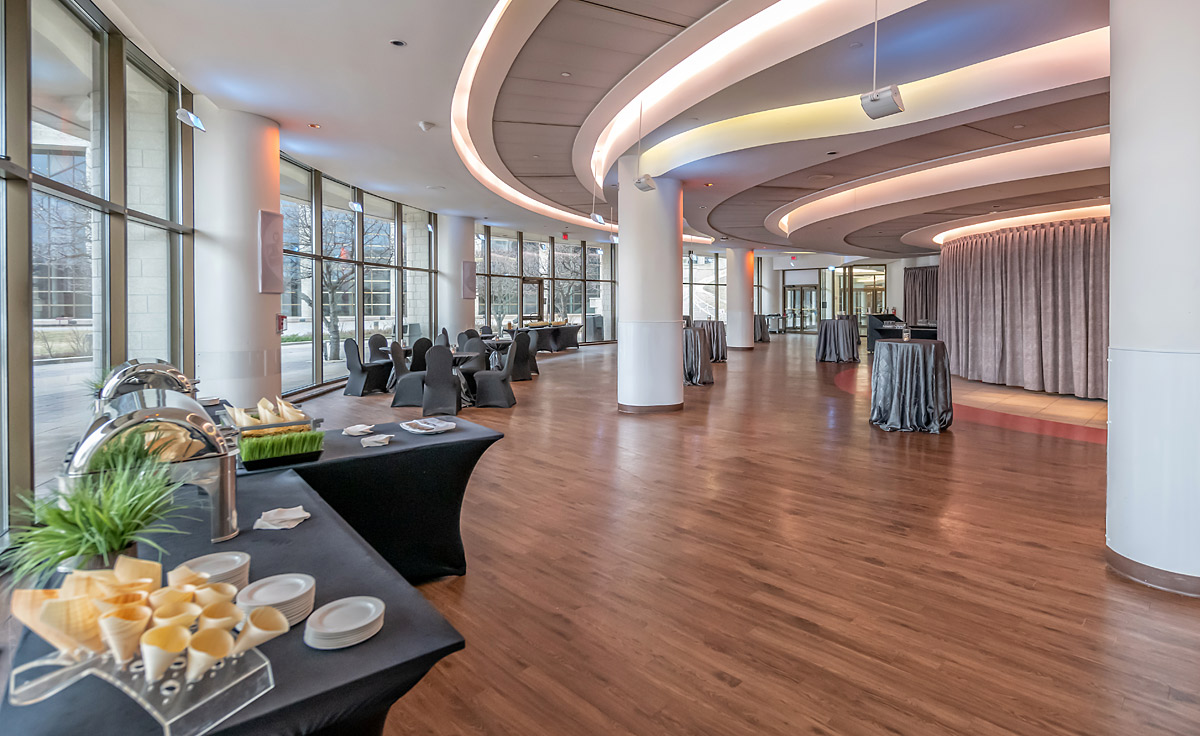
point(697, 368)
point(837, 341)
point(762, 331)
point(345, 691)
point(910, 386)
point(554, 338)
point(714, 330)
point(404, 498)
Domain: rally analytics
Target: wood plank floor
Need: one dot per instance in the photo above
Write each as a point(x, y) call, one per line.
point(766, 562)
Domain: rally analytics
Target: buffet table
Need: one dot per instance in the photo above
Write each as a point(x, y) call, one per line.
point(554, 338)
point(910, 386)
point(403, 498)
point(837, 341)
point(347, 691)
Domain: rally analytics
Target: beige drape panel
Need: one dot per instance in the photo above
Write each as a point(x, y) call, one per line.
point(1029, 307)
point(920, 294)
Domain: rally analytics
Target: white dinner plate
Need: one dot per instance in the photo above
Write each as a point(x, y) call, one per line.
point(424, 426)
point(316, 642)
point(345, 616)
point(219, 564)
point(277, 590)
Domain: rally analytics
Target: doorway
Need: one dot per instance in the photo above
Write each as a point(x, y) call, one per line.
point(801, 313)
point(533, 300)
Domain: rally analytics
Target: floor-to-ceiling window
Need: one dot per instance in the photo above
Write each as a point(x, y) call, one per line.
point(95, 168)
point(366, 270)
point(704, 285)
point(525, 278)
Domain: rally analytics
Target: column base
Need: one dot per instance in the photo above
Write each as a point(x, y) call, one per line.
point(659, 409)
point(733, 348)
point(1172, 582)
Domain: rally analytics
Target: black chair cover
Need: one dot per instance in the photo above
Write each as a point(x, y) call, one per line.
point(375, 352)
point(420, 348)
point(443, 338)
point(476, 364)
point(494, 388)
point(363, 379)
point(442, 394)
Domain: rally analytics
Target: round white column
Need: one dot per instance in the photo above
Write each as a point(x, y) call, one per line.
point(772, 288)
point(456, 253)
point(739, 298)
point(649, 294)
point(1154, 354)
point(236, 175)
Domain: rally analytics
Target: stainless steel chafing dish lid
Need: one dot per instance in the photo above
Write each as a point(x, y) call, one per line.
point(136, 375)
point(141, 408)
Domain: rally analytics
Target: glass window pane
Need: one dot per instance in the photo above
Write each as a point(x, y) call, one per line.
point(148, 292)
point(721, 302)
point(337, 220)
point(505, 256)
point(297, 349)
point(535, 258)
point(721, 263)
point(67, 98)
point(379, 230)
point(568, 260)
point(418, 238)
point(503, 302)
point(295, 202)
point(704, 301)
point(568, 301)
point(599, 262)
point(597, 325)
point(68, 325)
point(704, 269)
point(480, 249)
point(338, 289)
point(381, 308)
point(481, 287)
point(418, 308)
point(148, 117)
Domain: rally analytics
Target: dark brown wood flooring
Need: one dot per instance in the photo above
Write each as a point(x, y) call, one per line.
point(766, 562)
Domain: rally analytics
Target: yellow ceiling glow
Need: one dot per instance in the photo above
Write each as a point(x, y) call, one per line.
point(1004, 223)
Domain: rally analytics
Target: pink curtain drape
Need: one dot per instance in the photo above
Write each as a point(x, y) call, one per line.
point(1029, 307)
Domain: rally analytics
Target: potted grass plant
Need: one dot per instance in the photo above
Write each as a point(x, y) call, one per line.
point(127, 498)
point(260, 452)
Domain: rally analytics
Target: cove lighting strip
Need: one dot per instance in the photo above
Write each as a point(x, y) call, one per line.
point(461, 136)
point(1080, 213)
point(700, 61)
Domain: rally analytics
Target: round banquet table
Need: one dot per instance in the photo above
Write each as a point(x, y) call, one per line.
point(837, 341)
point(910, 386)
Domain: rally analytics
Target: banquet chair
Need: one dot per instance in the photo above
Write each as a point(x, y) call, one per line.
point(420, 348)
point(518, 353)
point(486, 331)
point(476, 364)
point(494, 388)
point(409, 385)
point(462, 341)
point(535, 344)
point(363, 379)
point(442, 394)
point(472, 332)
point(443, 338)
point(375, 344)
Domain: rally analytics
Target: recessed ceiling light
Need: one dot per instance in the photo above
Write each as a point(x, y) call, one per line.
point(565, 74)
point(435, 187)
point(995, 206)
point(820, 177)
point(398, 42)
point(708, 184)
point(703, 207)
point(1018, 126)
point(856, 45)
point(724, 238)
point(536, 156)
point(831, 153)
point(314, 125)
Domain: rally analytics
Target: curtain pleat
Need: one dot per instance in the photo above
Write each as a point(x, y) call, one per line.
point(1028, 307)
point(921, 294)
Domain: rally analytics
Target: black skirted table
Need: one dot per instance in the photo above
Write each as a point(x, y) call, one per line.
point(910, 386)
point(837, 341)
point(553, 338)
point(404, 498)
point(346, 691)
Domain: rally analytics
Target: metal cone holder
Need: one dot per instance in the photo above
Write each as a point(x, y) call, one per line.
point(183, 709)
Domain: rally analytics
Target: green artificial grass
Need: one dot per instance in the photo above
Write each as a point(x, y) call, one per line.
point(280, 445)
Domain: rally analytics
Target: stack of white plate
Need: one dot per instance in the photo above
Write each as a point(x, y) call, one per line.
point(224, 567)
point(292, 593)
point(344, 623)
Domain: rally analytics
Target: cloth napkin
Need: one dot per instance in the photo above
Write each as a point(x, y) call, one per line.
point(358, 430)
point(281, 518)
point(376, 440)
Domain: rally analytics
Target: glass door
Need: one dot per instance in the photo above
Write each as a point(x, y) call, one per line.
point(533, 300)
point(809, 316)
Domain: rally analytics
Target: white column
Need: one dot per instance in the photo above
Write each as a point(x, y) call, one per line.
point(1154, 354)
point(456, 253)
point(650, 294)
point(739, 298)
point(772, 288)
point(236, 175)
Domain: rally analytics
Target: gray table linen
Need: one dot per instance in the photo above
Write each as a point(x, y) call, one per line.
point(714, 331)
point(910, 386)
point(697, 368)
point(837, 341)
point(762, 331)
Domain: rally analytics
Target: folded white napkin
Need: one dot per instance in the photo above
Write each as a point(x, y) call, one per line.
point(358, 430)
point(281, 518)
point(376, 440)
point(429, 423)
